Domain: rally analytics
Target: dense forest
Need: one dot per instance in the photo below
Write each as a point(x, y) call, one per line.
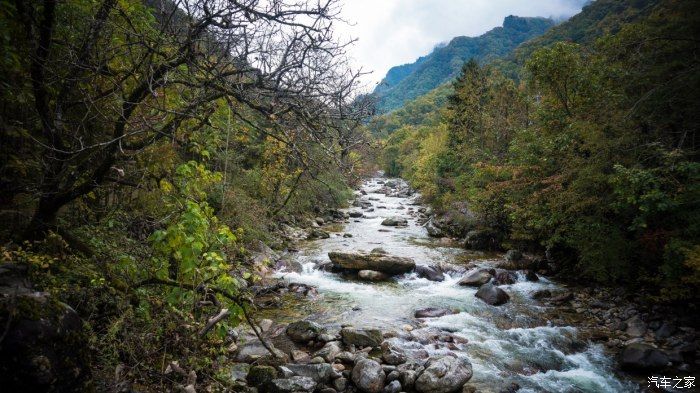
point(161, 160)
point(589, 154)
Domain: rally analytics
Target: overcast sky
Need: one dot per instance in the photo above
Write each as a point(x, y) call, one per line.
point(394, 32)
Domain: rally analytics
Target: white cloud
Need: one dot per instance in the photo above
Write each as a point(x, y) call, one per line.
point(393, 32)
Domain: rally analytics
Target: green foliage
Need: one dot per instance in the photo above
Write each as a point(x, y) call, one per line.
point(586, 156)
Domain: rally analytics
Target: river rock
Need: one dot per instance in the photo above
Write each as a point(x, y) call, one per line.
point(636, 327)
point(254, 350)
point(372, 275)
point(392, 387)
point(492, 295)
point(531, 276)
point(541, 294)
point(392, 354)
point(514, 256)
point(303, 331)
point(444, 375)
point(289, 385)
point(380, 262)
point(329, 351)
point(433, 229)
point(355, 214)
point(289, 265)
point(361, 337)
point(481, 239)
point(316, 233)
point(395, 222)
point(432, 312)
point(368, 376)
point(642, 357)
point(475, 278)
point(504, 277)
point(429, 273)
point(320, 373)
point(260, 375)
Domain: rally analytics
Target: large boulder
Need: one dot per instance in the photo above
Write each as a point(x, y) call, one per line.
point(643, 357)
point(361, 337)
point(476, 278)
point(504, 277)
point(372, 275)
point(395, 222)
point(368, 376)
point(429, 273)
point(303, 331)
point(444, 375)
point(492, 295)
point(379, 262)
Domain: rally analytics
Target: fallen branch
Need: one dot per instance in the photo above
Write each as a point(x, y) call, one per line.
point(224, 313)
point(237, 300)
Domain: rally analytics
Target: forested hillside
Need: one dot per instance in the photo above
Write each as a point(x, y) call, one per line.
point(409, 81)
point(592, 157)
point(145, 147)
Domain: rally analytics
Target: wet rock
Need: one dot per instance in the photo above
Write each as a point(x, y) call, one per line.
point(444, 375)
point(260, 375)
point(368, 376)
point(392, 354)
point(504, 277)
point(378, 250)
point(432, 312)
point(636, 327)
point(316, 233)
point(355, 214)
point(320, 373)
point(531, 276)
point(429, 273)
point(361, 337)
point(512, 388)
point(642, 357)
point(289, 385)
point(392, 387)
point(541, 294)
point(380, 262)
point(395, 222)
point(492, 295)
point(475, 278)
point(372, 275)
point(303, 331)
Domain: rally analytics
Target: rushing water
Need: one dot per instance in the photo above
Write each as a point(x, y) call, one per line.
point(509, 343)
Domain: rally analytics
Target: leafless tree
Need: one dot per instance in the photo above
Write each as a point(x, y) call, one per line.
point(106, 87)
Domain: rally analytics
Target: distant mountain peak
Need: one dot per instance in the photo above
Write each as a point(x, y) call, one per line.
point(405, 82)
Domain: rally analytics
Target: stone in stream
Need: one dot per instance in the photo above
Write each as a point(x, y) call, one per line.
point(316, 233)
point(303, 331)
point(432, 312)
point(643, 357)
point(531, 276)
point(355, 214)
point(395, 222)
point(430, 273)
point(444, 375)
point(361, 337)
point(388, 264)
point(492, 295)
point(475, 278)
point(504, 277)
point(368, 376)
point(541, 294)
point(372, 275)
point(392, 354)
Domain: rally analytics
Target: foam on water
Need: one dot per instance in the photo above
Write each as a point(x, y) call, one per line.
point(510, 343)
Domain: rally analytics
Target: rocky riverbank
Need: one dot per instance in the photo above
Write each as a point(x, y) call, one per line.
point(357, 333)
